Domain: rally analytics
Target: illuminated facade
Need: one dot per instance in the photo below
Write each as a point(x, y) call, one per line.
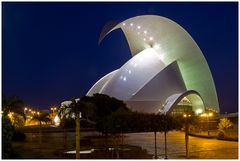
point(167, 71)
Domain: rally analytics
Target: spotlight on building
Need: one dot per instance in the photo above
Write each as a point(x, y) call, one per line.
point(57, 120)
point(199, 111)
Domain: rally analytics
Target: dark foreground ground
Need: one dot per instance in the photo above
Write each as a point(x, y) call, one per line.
point(133, 146)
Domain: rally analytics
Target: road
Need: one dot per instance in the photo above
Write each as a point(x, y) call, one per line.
point(200, 148)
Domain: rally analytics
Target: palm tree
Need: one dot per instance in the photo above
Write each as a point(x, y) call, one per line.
point(75, 109)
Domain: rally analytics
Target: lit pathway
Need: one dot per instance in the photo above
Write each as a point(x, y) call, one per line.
point(200, 148)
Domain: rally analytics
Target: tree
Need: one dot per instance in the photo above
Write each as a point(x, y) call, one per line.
point(7, 133)
point(169, 123)
point(104, 107)
point(187, 120)
point(223, 125)
point(75, 109)
point(66, 122)
point(115, 124)
point(107, 112)
point(16, 119)
point(41, 117)
point(156, 126)
point(12, 104)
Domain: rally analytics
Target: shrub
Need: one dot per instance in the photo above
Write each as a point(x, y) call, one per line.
point(7, 132)
point(224, 124)
point(221, 135)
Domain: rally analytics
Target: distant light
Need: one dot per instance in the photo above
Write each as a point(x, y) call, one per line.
point(144, 39)
point(138, 27)
point(210, 114)
point(150, 38)
point(145, 32)
point(131, 24)
point(184, 115)
point(124, 24)
point(129, 71)
point(124, 78)
point(25, 108)
point(198, 111)
point(189, 115)
point(57, 120)
point(203, 115)
point(156, 46)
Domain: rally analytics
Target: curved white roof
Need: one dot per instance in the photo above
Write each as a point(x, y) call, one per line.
point(133, 75)
point(169, 42)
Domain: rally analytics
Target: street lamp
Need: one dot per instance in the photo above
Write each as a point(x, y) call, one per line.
point(186, 116)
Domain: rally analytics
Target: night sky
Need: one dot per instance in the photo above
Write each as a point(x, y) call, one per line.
point(50, 51)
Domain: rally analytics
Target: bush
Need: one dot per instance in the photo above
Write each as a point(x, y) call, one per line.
point(18, 136)
point(221, 135)
point(7, 132)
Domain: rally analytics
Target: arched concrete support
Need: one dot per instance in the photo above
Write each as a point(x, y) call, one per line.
point(193, 96)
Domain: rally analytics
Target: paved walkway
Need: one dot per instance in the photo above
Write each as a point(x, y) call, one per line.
point(200, 148)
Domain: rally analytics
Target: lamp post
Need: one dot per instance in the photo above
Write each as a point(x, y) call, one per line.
point(187, 116)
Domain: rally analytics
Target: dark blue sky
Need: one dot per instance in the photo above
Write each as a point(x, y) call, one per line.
point(50, 51)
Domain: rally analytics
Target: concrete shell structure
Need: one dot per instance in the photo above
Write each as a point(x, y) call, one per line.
point(167, 66)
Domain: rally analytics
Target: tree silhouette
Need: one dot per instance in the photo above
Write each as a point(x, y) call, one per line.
point(12, 104)
point(41, 117)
